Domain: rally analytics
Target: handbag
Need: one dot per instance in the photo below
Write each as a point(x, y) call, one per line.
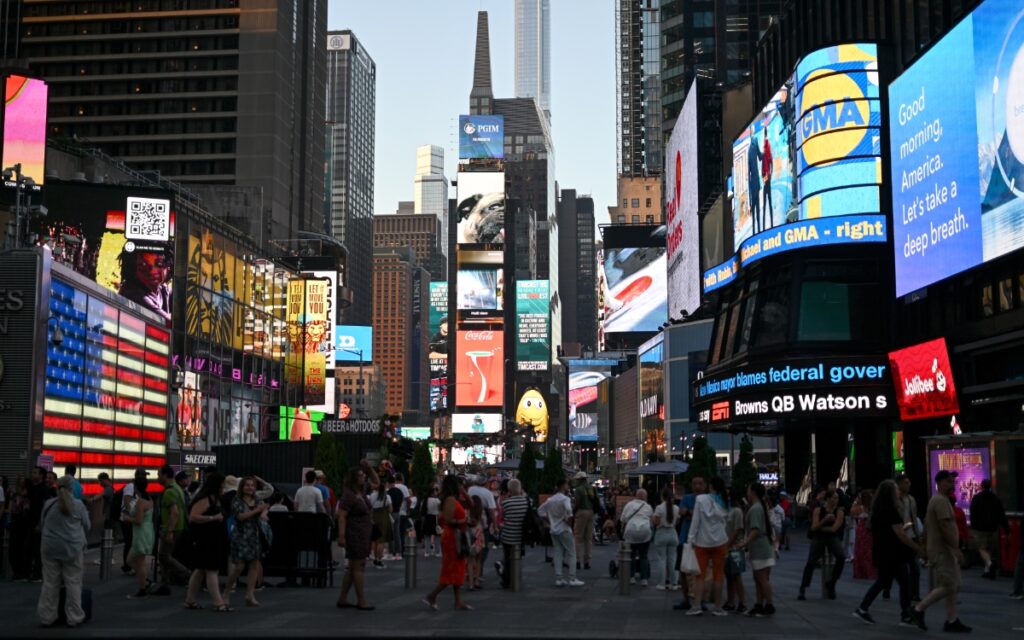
point(735, 563)
point(462, 543)
point(688, 564)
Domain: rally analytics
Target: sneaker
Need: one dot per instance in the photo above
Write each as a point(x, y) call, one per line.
point(632, 581)
point(741, 609)
point(499, 568)
point(918, 618)
point(661, 587)
point(728, 607)
point(694, 612)
point(586, 566)
point(864, 616)
point(575, 582)
point(559, 582)
point(719, 613)
point(956, 627)
point(907, 620)
point(1017, 596)
point(643, 583)
point(756, 611)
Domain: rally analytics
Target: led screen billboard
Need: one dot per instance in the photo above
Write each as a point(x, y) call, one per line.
point(479, 368)
point(532, 410)
point(438, 350)
point(585, 401)
point(481, 208)
point(476, 423)
point(307, 325)
point(924, 381)
point(533, 325)
point(481, 137)
point(478, 289)
point(681, 207)
point(634, 289)
point(762, 169)
point(23, 139)
point(954, 208)
point(652, 398)
point(353, 343)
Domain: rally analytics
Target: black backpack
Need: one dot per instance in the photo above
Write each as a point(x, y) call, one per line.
point(533, 526)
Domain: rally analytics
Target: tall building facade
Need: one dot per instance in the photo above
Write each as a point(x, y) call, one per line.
point(229, 93)
point(394, 282)
point(423, 234)
point(351, 109)
point(533, 52)
point(430, 187)
point(578, 266)
point(638, 202)
point(638, 87)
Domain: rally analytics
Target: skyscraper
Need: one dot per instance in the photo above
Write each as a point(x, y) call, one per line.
point(533, 52)
point(351, 105)
point(578, 265)
point(638, 87)
point(229, 93)
point(423, 233)
point(430, 187)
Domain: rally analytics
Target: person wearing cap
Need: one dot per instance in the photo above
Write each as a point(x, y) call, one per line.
point(910, 515)
point(584, 505)
point(944, 555)
point(65, 527)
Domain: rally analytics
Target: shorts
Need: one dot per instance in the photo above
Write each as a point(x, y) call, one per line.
point(946, 572)
point(716, 555)
point(987, 540)
point(758, 565)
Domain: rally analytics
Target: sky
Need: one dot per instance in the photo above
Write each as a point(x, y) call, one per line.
point(424, 53)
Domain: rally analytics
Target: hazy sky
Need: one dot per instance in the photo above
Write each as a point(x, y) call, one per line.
point(424, 54)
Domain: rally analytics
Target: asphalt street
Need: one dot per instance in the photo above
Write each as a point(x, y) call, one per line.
point(540, 610)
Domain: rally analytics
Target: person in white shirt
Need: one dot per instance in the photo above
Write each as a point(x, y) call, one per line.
point(710, 539)
point(558, 510)
point(636, 530)
point(308, 498)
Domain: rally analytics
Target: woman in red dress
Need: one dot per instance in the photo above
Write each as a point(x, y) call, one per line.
point(453, 568)
point(863, 565)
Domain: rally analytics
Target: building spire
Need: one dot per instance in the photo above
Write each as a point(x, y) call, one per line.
point(481, 97)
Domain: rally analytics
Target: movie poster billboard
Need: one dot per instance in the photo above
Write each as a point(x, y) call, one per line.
point(971, 464)
point(533, 325)
point(307, 325)
point(480, 368)
point(481, 208)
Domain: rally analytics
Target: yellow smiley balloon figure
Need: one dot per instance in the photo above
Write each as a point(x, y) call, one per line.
point(533, 410)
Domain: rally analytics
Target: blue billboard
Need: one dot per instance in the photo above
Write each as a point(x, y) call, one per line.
point(953, 207)
point(481, 137)
point(353, 343)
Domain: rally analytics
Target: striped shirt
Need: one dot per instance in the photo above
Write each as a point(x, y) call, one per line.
point(514, 509)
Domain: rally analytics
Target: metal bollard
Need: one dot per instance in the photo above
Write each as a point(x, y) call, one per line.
point(106, 553)
point(6, 558)
point(828, 564)
point(625, 568)
point(516, 568)
point(409, 552)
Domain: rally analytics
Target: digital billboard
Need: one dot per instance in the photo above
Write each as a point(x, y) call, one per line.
point(682, 237)
point(306, 421)
point(353, 343)
point(481, 137)
point(478, 289)
point(327, 339)
point(307, 325)
point(463, 423)
point(924, 381)
point(479, 368)
point(762, 169)
point(958, 149)
point(438, 350)
point(585, 400)
point(634, 282)
point(971, 464)
point(24, 127)
point(481, 208)
point(652, 398)
point(532, 410)
point(88, 229)
point(533, 325)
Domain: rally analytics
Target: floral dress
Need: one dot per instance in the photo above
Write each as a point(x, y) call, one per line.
point(245, 541)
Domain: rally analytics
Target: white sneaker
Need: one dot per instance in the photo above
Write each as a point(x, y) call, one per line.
point(695, 611)
point(661, 587)
point(643, 583)
point(575, 582)
point(632, 581)
point(559, 582)
point(718, 612)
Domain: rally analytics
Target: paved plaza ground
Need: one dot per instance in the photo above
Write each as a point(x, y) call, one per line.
point(540, 611)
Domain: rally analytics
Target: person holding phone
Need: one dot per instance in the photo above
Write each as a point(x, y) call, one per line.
point(827, 522)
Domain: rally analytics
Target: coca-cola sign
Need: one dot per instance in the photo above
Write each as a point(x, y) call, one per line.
point(924, 381)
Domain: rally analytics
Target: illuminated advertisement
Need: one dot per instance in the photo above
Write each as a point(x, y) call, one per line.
point(838, 130)
point(481, 208)
point(533, 325)
point(297, 423)
point(481, 137)
point(438, 350)
point(463, 423)
point(353, 343)
point(681, 204)
point(585, 397)
point(652, 398)
point(121, 238)
point(477, 455)
point(924, 381)
point(105, 402)
point(762, 169)
point(479, 368)
point(478, 289)
point(327, 340)
point(307, 325)
point(24, 127)
point(189, 413)
point(971, 464)
point(634, 279)
point(954, 209)
point(532, 411)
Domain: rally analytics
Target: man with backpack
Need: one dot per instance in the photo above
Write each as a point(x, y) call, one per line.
point(584, 503)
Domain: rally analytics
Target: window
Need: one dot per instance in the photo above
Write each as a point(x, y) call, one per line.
point(636, 219)
point(1005, 294)
point(987, 307)
point(625, 203)
point(636, 203)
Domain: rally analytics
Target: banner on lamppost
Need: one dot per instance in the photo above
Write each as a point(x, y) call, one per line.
point(307, 326)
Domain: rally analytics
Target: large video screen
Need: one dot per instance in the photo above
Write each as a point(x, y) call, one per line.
point(652, 398)
point(762, 169)
point(353, 343)
point(585, 402)
point(481, 137)
point(681, 206)
point(438, 351)
point(480, 368)
point(23, 138)
point(478, 289)
point(476, 423)
point(533, 325)
point(634, 282)
point(481, 208)
point(953, 207)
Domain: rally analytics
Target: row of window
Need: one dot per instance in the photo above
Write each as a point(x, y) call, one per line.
point(154, 88)
point(136, 67)
point(97, 7)
point(143, 107)
point(107, 47)
point(116, 27)
point(188, 126)
point(635, 203)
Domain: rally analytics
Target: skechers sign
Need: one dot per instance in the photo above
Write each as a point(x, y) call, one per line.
point(838, 386)
point(481, 137)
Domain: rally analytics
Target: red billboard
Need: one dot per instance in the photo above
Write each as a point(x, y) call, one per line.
point(480, 368)
point(924, 381)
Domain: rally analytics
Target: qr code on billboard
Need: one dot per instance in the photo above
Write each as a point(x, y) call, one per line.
point(148, 219)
